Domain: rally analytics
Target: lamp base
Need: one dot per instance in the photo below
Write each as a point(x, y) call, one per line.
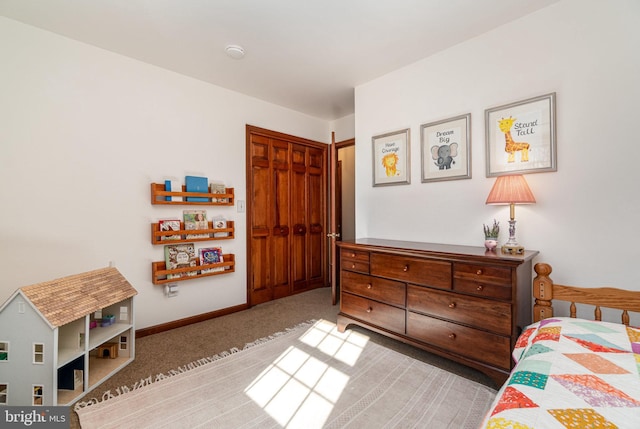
point(513, 250)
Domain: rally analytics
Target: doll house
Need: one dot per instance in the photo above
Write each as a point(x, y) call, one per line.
point(59, 339)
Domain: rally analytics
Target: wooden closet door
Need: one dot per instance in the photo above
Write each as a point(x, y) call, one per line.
point(307, 215)
point(281, 222)
point(259, 176)
point(286, 192)
point(316, 217)
point(299, 240)
point(270, 225)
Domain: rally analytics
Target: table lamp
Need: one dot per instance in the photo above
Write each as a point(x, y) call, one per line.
point(512, 190)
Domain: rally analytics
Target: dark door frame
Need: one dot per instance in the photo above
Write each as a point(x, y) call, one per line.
point(333, 215)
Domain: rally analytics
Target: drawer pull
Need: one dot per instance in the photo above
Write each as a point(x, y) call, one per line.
point(479, 272)
point(369, 310)
point(369, 286)
point(406, 268)
point(452, 336)
point(480, 288)
point(353, 255)
point(353, 266)
point(452, 305)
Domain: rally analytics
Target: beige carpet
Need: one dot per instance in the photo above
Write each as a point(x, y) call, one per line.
point(310, 376)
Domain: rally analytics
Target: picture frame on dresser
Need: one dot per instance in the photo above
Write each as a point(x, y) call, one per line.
point(391, 158)
point(521, 136)
point(446, 149)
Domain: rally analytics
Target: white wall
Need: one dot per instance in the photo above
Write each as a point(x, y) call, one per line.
point(83, 133)
point(344, 128)
point(585, 220)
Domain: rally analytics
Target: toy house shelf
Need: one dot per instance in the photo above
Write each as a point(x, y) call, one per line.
point(67, 336)
point(156, 234)
point(78, 350)
point(160, 272)
point(70, 341)
point(159, 194)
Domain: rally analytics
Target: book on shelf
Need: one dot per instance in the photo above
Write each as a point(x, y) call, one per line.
point(180, 256)
point(172, 186)
point(169, 225)
point(219, 188)
point(210, 255)
point(220, 223)
point(194, 220)
point(197, 184)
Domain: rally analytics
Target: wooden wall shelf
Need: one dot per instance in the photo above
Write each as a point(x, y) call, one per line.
point(156, 234)
point(160, 272)
point(159, 194)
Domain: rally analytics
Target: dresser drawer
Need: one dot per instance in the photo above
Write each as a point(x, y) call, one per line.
point(353, 265)
point(413, 270)
point(481, 288)
point(468, 342)
point(482, 273)
point(387, 291)
point(356, 255)
point(374, 312)
point(486, 314)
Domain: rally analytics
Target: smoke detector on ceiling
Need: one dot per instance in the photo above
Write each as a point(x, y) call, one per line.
point(234, 51)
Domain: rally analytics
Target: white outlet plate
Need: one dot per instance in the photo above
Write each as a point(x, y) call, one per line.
point(171, 290)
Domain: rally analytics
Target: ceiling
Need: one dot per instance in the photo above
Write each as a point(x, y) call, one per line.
point(305, 55)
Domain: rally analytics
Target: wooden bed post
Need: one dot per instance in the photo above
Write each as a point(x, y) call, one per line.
point(542, 292)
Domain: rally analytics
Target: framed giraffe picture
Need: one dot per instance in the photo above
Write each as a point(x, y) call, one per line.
point(521, 136)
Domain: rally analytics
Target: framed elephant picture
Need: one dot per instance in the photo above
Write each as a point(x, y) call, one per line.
point(446, 149)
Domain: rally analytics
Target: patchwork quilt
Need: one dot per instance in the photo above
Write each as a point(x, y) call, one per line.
point(571, 373)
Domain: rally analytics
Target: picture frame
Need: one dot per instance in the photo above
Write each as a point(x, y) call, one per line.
point(521, 137)
point(446, 149)
point(391, 158)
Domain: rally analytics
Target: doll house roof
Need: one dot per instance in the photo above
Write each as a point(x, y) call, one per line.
point(68, 298)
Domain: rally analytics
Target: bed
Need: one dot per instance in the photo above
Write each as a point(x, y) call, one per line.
point(573, 372)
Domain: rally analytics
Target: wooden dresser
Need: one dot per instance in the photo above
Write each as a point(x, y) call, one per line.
point(461, 302)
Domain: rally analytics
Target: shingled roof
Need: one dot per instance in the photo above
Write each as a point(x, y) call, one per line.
point(66, 299)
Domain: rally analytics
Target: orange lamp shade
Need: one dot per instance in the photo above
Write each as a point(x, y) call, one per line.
point(511, 189)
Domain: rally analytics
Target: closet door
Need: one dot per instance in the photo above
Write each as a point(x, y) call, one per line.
point(259, 178)
point(286, 215)
point(281, 223)
point(307, 217)
point(299, 204)
point(316, 217)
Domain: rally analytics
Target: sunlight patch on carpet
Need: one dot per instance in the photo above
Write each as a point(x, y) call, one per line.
point(297, 387)
point(346, 347)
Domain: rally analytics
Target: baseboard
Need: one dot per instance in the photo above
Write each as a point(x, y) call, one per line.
point(188, 321)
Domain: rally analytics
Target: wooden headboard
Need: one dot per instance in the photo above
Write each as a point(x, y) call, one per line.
point(544, 291)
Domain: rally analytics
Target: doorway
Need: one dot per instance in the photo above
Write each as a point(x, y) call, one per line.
point(346, 190)
point(342, 214)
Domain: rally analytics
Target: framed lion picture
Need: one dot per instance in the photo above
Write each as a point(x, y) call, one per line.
point(391, 158)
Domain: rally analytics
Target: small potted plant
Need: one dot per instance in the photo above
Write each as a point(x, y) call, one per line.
point(491, 235)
